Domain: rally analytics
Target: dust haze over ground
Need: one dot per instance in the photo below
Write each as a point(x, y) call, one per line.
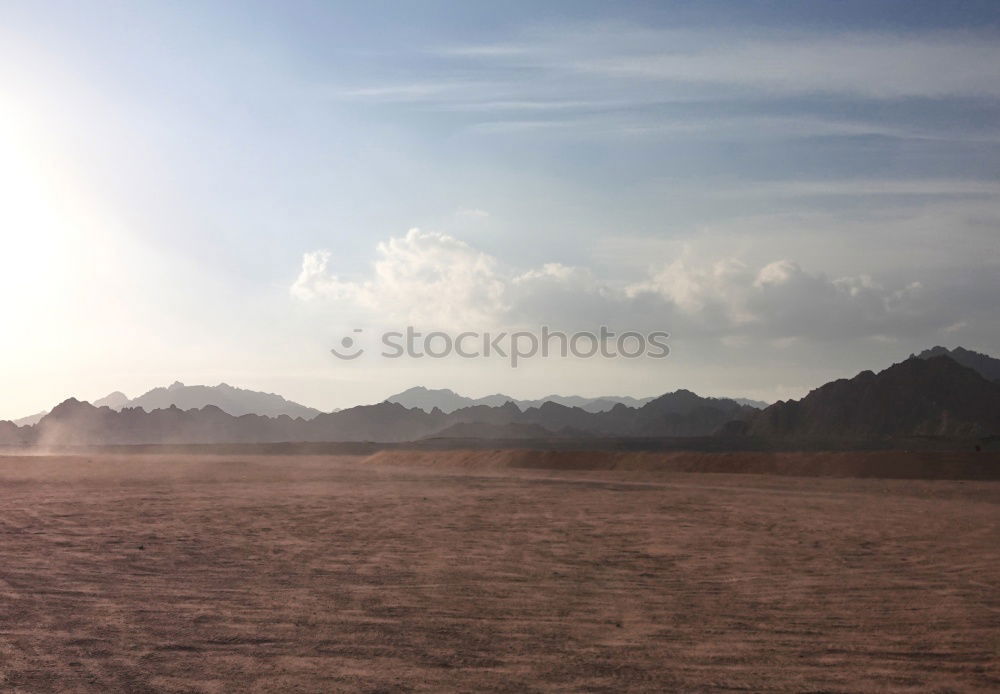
point(210, 573)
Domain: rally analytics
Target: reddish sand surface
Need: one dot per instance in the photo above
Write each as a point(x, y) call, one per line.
point(174, 573)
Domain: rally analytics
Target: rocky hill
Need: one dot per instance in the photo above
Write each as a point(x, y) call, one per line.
point(919, 397)
point(985, 365)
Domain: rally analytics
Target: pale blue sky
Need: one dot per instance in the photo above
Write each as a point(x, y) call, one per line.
point(796, 191)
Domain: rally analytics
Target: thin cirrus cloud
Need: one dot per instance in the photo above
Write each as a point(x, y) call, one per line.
point(433, 279)
point(880, 65)
point(619, 78)
point(872, 65)
point(869, 64)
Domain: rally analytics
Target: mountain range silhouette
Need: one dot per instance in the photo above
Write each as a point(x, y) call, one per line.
point(929, 395)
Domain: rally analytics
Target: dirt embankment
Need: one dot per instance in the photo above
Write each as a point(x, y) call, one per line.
point(883, 464)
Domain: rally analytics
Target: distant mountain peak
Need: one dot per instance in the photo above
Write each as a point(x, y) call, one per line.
point(116, 400)
point(230, 399)
point(926, 396)
point(983, 364)
point(447, 400)
point(69, 406)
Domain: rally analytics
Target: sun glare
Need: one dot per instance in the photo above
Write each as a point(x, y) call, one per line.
point(54, 233)
point(33, 217)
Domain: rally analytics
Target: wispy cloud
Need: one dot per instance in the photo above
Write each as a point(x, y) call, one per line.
point(872, 65)
point(412, 92)
point(471, 213)
point(925, 188)
point(617, 78)
point(880, 65)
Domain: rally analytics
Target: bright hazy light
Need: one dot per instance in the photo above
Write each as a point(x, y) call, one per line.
point(57, 252)
point(32, 212)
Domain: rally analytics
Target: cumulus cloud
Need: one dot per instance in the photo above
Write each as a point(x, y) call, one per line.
point(715, 292)
point(781, 300)
point(314, 281)
point(433, 279)
point(796, 303)
point(422, 277)
point(563, 295)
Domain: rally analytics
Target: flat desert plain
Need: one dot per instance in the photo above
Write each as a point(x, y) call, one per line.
point(220, 573)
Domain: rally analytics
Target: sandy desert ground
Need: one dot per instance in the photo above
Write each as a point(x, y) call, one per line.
point(221, 573)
